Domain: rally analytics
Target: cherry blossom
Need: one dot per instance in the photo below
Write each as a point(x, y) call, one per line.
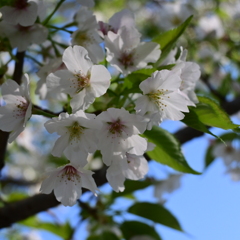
point(120, 133)
point(22, 37)
point(83, 81)
point(124, 166)
point(87, 35)
point(18, 109)
point(77, 135)
point(23, 12)
point(126, 53)
point(190, 74)
point(162, 97)
point(67, 183)
point(51, 66)
point(167, 186)
point(118, 20)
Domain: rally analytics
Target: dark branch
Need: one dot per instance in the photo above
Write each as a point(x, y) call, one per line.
point(41, 202)
point(17, 76)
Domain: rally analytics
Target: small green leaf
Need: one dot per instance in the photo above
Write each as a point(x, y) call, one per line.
point(167, 150)
point(65, 231)
point(135, 228)
point(211, 114)
point(169, 38)
point(131, 186)
point(155, 212)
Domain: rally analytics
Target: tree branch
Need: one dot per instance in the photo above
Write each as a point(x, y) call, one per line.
point(41, 202)
point(17, 76)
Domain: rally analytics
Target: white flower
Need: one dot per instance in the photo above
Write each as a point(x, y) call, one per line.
point(87, 35)
point(67, 182)
point(118, 20)
point(22, 37)
point(77, 135)
point(124, 166)
point(234, 173)
point(120, 133)
point(210, 25)
point(167, 186)
point(18, 109)
point(171, 15)
point(53, 65)
point(23, 13)
point(190, 74)
point(227, 152)
point(126, 53)
point(83, 81)
point(162, 96)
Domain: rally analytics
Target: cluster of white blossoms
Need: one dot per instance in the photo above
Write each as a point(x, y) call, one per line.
point(115, 132)
point(18, 24)
point(230, 155)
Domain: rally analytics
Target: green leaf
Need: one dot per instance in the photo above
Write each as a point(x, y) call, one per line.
point(155, 212)
point(192, 120)
point(169, 38)
point(104, 236)
point(167, 150)
point(131, 186)
point(65, 231)
point(210, 113)
point(135, 228)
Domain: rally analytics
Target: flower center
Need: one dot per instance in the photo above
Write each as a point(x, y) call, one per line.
point(21, 108)
point(126, 59)
point(82, 38)
point(20, 4)
point(75, 131)
point(116, 127)
point(81, 83)
point(69, 173)
point(158, 96)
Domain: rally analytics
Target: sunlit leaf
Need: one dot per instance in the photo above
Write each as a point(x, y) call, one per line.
point(167, 150)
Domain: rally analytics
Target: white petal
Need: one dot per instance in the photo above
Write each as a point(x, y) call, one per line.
point(76, 59)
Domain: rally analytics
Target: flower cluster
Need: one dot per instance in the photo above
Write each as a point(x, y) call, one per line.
point(78, 77)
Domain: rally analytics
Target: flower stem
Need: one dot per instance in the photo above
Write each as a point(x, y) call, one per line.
point(43, 112)
point(45, 22)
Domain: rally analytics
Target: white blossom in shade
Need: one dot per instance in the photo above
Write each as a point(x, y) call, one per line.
point(167, 186)
point(22, 37)
point(190, 74)
point(126, 53)
point(51, 66)
point(67, 183)
point(87, 34)
point(161, 95)
point(77, 135)
point(124, 166)
point(209, 26)
point(234, 173)
point(170, 15)
point(227, 152)
point(23, 12)
point(119, 133)
point(18, 109)
point(118, 20)
point(83, 81)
